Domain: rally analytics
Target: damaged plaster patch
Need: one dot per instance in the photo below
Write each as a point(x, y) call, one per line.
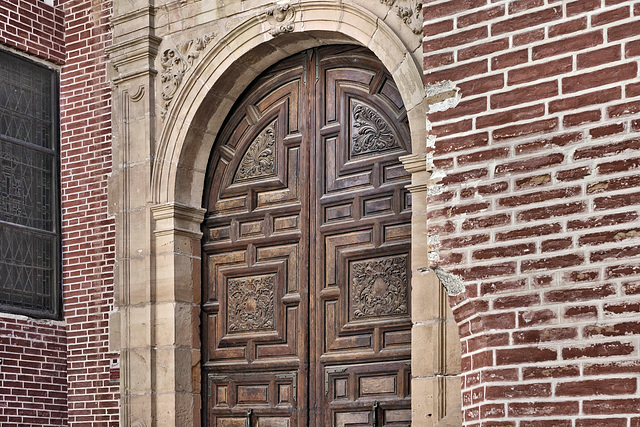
point(442, 96)
point(433, 239)
point(431, 141)
point(433, 256)
point(435, 190)
point(452, 283)
point(437, 174)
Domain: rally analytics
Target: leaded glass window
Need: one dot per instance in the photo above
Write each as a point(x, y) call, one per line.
point(29, 190)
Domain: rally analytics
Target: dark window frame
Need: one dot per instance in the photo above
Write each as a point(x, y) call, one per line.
point(46, 234)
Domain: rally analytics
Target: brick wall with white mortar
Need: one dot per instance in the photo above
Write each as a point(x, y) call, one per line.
point(88, 242)
point(57, 373)
point(535, 203)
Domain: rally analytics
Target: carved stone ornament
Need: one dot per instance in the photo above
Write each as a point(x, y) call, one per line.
point(370, 133)
point(379, 287)
point(175, 64)
point(410, 11)
point(250, 303)
point(280, 17)
point(260, 159)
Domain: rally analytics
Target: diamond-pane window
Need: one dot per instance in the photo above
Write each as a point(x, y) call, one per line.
point(29, 188)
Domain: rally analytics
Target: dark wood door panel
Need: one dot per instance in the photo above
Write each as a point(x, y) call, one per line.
point(253, 399)
point(361, 313)
point(372, 394)
point(305, 313)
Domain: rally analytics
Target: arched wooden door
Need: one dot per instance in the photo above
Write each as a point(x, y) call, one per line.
point(306, 314)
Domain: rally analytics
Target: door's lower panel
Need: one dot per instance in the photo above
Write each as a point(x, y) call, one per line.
point(265, 399)
point(372, 394)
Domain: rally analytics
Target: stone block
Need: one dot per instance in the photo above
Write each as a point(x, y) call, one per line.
point(426, 354)
point(425, 297)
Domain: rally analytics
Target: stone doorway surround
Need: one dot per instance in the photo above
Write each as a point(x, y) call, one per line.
point(178, 67)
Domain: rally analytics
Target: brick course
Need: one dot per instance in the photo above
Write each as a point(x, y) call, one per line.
point(538, 211)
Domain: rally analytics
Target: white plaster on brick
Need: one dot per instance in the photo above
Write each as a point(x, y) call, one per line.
point(452, 283)
point(438, 89)
point(437, 174)
point(434, 190)
point(431, 141)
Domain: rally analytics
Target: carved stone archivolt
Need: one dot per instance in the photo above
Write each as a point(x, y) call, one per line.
point(260, 159)
point(175, 64)
point(370, 133)
point(410, 11)
point(251, 303)
point(379, 287)
point(280, 17)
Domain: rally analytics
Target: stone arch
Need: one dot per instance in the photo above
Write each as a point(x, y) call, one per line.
point(185, 139)
point(238, 57)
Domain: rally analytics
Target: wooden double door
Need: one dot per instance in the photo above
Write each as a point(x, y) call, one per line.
point(306, 262)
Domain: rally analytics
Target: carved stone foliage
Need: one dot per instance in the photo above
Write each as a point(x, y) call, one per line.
point(260, 159)
point(370, 133)
point(410, 11)
point(280, 17)
point(379, 287)
point(250, 303)
point(175, 64)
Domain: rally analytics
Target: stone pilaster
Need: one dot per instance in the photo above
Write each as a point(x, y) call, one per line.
point(176, 306)
point(435, 396)
point(132, 55)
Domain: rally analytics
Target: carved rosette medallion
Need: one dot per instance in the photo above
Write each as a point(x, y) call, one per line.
point(379, 287)
point(175, 64)
point(281, 18)
point(250, 303)
point(370, 133)
point(260, 159)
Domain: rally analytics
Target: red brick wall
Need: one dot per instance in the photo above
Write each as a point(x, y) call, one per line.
point(538, 211)
point(42, 361)
point(34, 27)
point(33, 374)
point(88, 233)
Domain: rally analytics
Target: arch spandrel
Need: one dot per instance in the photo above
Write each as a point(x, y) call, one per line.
point(233, 60)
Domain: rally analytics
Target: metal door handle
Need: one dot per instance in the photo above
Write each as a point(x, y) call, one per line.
point(249, 416)
point(376, 405)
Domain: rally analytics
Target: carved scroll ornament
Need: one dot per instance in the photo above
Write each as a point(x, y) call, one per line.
point(260, 159)
point(175, 64)
point(281, 17)
point(410, 11)
point(379, 287)
point(250, 305)
point(370, 132)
